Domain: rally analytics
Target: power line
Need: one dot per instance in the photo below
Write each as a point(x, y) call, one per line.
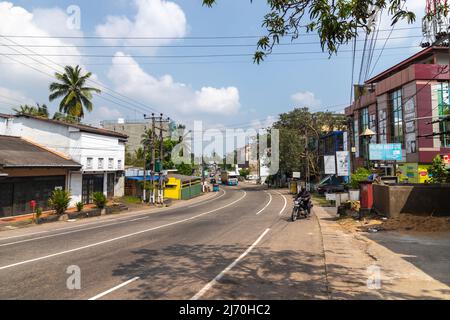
point(89, 80)
point(179, 46)
point(166, 38)
point(186, 56)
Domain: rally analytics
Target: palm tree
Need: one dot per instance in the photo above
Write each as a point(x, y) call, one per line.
point(38, 110)
point(71, 87)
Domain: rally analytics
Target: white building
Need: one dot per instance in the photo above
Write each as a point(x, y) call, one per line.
point(100, 152)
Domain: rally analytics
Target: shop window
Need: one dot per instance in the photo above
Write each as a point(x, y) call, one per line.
point(396, 117)
point(444, 111)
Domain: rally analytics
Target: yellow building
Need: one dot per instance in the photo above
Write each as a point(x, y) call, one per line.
point(180, 187)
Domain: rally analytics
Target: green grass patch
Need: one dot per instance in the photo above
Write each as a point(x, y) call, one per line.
point(131, 200)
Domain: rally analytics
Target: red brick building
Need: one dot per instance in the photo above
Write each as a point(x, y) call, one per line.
point(399, 104)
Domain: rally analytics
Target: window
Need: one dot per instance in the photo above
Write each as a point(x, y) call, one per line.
point(89, 163)
point(119, 164)
point(111, 163)
point(396, 117)
point(444, 110)
point(101, 163)
point(363, 126)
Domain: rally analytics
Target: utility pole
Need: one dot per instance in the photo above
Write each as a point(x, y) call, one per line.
point(144, 194)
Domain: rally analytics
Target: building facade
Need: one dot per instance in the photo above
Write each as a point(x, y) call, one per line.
point(100, 152)
point(134, 130)
point(30, 172)
point(400, 105)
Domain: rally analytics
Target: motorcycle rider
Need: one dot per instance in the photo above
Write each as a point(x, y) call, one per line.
point(304, 195)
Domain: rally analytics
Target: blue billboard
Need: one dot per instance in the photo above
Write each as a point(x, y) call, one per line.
point(385, 152)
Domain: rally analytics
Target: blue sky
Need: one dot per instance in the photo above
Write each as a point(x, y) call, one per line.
point(222, 91)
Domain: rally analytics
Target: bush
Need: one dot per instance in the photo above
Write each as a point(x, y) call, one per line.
point(362, 174)
point(438, 171)
point(38, 214)
point(59, 201)
point(99, 200)
point(80, 206)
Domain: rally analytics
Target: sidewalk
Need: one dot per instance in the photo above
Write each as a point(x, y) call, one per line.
point(354, 263)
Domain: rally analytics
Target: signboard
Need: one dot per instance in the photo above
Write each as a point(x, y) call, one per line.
point(296, 175)
point(386, 152)
point(330, 164)
point(343, 163)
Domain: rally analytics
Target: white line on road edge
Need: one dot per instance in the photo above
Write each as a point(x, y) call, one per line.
point(285, 203)
point(62, 234)
point(208, 201)
point(121, 220)
point(81, 229)
point(121, 237)
point(101, 295)
point(267, 205)
point(227, 269)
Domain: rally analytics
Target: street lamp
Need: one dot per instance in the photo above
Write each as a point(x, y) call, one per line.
point(367, 135)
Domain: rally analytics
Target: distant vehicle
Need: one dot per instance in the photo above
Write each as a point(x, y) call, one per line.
point(230, 179)
point(331, 184)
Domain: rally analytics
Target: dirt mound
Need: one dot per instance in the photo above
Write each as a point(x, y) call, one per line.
point(409, 222)
point(405, 222)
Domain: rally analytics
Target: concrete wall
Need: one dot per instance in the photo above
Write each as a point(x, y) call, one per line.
point(393, 201)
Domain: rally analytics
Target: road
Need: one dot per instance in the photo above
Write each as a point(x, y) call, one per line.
point(241, 245)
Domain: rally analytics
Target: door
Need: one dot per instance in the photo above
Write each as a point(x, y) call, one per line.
point(110, 184)
point(91, 184)
point(6, 200)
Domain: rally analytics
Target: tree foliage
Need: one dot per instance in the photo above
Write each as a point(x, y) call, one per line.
point(300, 131)
point(70, 86)
point(438, 171)
point(336, 22)
point(37, 111)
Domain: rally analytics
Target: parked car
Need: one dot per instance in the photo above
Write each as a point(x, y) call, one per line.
point(331, 184)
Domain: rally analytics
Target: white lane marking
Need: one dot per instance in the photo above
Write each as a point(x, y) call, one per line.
point(267, 205)
point(202, 292)
point(285, 203)
point(23, 235)
point(214, 199)
point(118, 221)
point(121, 237)
point(60, 234)
point(101, 295)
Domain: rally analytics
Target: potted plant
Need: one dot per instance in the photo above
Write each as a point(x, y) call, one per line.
point(100, 201)
point(59, 202)
point(362, 174)
point(80, 206)
point(38, 215)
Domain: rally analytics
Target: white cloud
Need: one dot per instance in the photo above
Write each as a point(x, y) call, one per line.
point(154, 18)
point(168, 95)
point(104, 113)
point(15, 20)
point(10, 99)
point(262, 124)
point(305, 99)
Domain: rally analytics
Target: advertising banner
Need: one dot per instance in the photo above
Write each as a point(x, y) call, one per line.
point(343, 163)
point(330, 164)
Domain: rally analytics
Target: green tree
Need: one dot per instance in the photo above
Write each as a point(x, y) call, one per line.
point(438, 171)
point(70, 86)
point(300, 131)
point(336, 22)
point(37, 111)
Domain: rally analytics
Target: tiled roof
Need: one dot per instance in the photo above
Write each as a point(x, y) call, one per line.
point(18, 153)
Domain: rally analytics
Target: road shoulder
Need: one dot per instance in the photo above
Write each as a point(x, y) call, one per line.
point(359, 268)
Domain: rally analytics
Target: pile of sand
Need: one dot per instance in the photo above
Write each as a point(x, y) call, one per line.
point(405, 222)
point(409, 222)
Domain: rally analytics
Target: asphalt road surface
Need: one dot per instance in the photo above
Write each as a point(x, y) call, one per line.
point(241, 245)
